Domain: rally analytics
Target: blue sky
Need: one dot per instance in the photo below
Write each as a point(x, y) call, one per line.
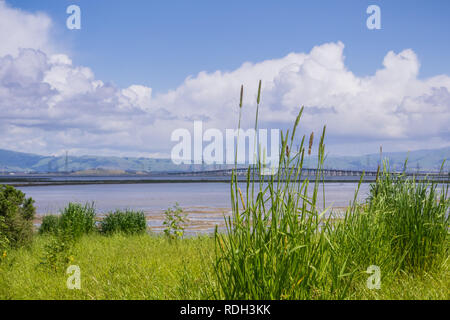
point(139, 70)
point(160, 43)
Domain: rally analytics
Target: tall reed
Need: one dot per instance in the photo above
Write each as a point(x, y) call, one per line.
point(275, 246)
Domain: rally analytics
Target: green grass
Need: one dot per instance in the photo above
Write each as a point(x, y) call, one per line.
point(429, 286)
point(154, 267)
point(413, 216)
point(113, 267)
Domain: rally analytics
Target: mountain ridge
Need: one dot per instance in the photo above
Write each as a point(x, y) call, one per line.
point(13, 161)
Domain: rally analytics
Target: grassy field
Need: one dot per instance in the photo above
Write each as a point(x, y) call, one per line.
point(113, 267)
point(153, 267)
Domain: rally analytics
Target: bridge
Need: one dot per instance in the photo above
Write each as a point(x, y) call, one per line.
point(308, 172)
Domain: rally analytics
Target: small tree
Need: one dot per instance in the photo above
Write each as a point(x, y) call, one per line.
point(174, 221)
point(17, 214)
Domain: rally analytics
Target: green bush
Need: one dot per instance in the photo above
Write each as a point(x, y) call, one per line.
point(58, 251)
point(65, 230)
point(50, 224)
point(128, 222)
point(17, 214)
point(77, 220)
point(175, 220)
point(3, 239)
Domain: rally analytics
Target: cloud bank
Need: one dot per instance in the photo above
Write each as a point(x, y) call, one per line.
point(48, 104)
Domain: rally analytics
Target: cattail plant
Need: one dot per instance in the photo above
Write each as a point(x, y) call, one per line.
point(242, 198)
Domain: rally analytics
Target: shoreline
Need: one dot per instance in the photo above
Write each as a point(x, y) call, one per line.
point(24, 182)
point(199, 219)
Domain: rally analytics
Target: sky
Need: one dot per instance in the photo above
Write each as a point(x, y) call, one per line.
point(138, 70)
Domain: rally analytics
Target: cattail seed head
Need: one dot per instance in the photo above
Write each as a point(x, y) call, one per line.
point(259, 92)
point(242, 198)
point(287, 151)
point(221, 244)
point(311, 141)
point(297, 120)
point(285, 245)
point(242, 96)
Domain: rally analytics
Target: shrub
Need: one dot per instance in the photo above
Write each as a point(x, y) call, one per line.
point(77, 220)
point(17, 213)
point(128, 222)
point(3, 239)
point(50, 224)
point(174, 221)
point(58, 251)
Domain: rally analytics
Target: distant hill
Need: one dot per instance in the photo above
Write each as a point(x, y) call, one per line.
point(420, 160)
point(11, 161)
point(18, 161)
